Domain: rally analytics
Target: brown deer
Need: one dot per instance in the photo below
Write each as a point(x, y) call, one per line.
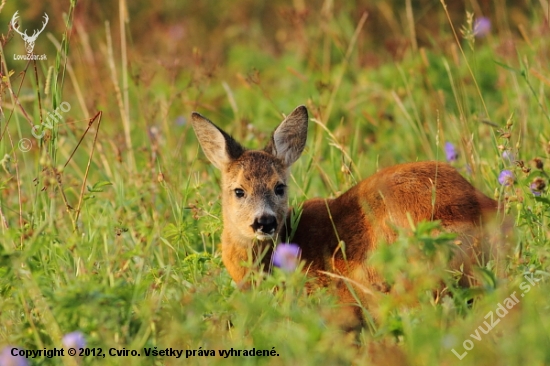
point(256, 215)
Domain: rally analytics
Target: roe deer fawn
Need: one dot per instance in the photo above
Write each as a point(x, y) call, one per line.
point(256, 214)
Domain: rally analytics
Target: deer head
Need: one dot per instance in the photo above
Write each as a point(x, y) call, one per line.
point(29, 40)
point(254, 182)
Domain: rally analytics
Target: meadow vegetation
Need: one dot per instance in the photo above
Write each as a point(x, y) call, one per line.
point(110, 222)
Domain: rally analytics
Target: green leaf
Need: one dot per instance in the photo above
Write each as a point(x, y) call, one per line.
point(509, 68)
point(545, 200)
point(97, 187)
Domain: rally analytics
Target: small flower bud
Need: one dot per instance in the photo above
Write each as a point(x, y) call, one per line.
point(538, 163)
point(537, 186)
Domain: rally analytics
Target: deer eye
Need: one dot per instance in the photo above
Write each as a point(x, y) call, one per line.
point(239, 193)
point(280, 189)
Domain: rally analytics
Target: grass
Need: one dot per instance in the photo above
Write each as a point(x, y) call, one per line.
point(110, 226)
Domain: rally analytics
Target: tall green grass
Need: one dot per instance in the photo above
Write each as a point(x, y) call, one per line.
point(132, 261)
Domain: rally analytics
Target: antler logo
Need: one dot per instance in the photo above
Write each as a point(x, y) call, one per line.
point(29, 40)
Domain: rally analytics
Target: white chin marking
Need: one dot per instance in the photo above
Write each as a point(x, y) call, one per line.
point(263, 236)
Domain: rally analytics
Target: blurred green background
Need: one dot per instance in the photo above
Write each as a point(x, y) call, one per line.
point(112, 229)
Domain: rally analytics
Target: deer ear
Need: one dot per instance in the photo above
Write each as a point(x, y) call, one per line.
point(218, 146)
point(289, 138)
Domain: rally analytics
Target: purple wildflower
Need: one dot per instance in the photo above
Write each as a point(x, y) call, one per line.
point(482, 27)
point(287, 256)
point(506, 178)
point(7, 358)
point(74, 340)
point(451, 152)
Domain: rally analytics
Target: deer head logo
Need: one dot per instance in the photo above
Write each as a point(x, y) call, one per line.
point(29, 40)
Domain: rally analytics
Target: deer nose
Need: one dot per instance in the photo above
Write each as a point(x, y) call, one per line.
point(266, 223)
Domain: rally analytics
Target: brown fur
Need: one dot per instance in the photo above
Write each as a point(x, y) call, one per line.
point(363, 217)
